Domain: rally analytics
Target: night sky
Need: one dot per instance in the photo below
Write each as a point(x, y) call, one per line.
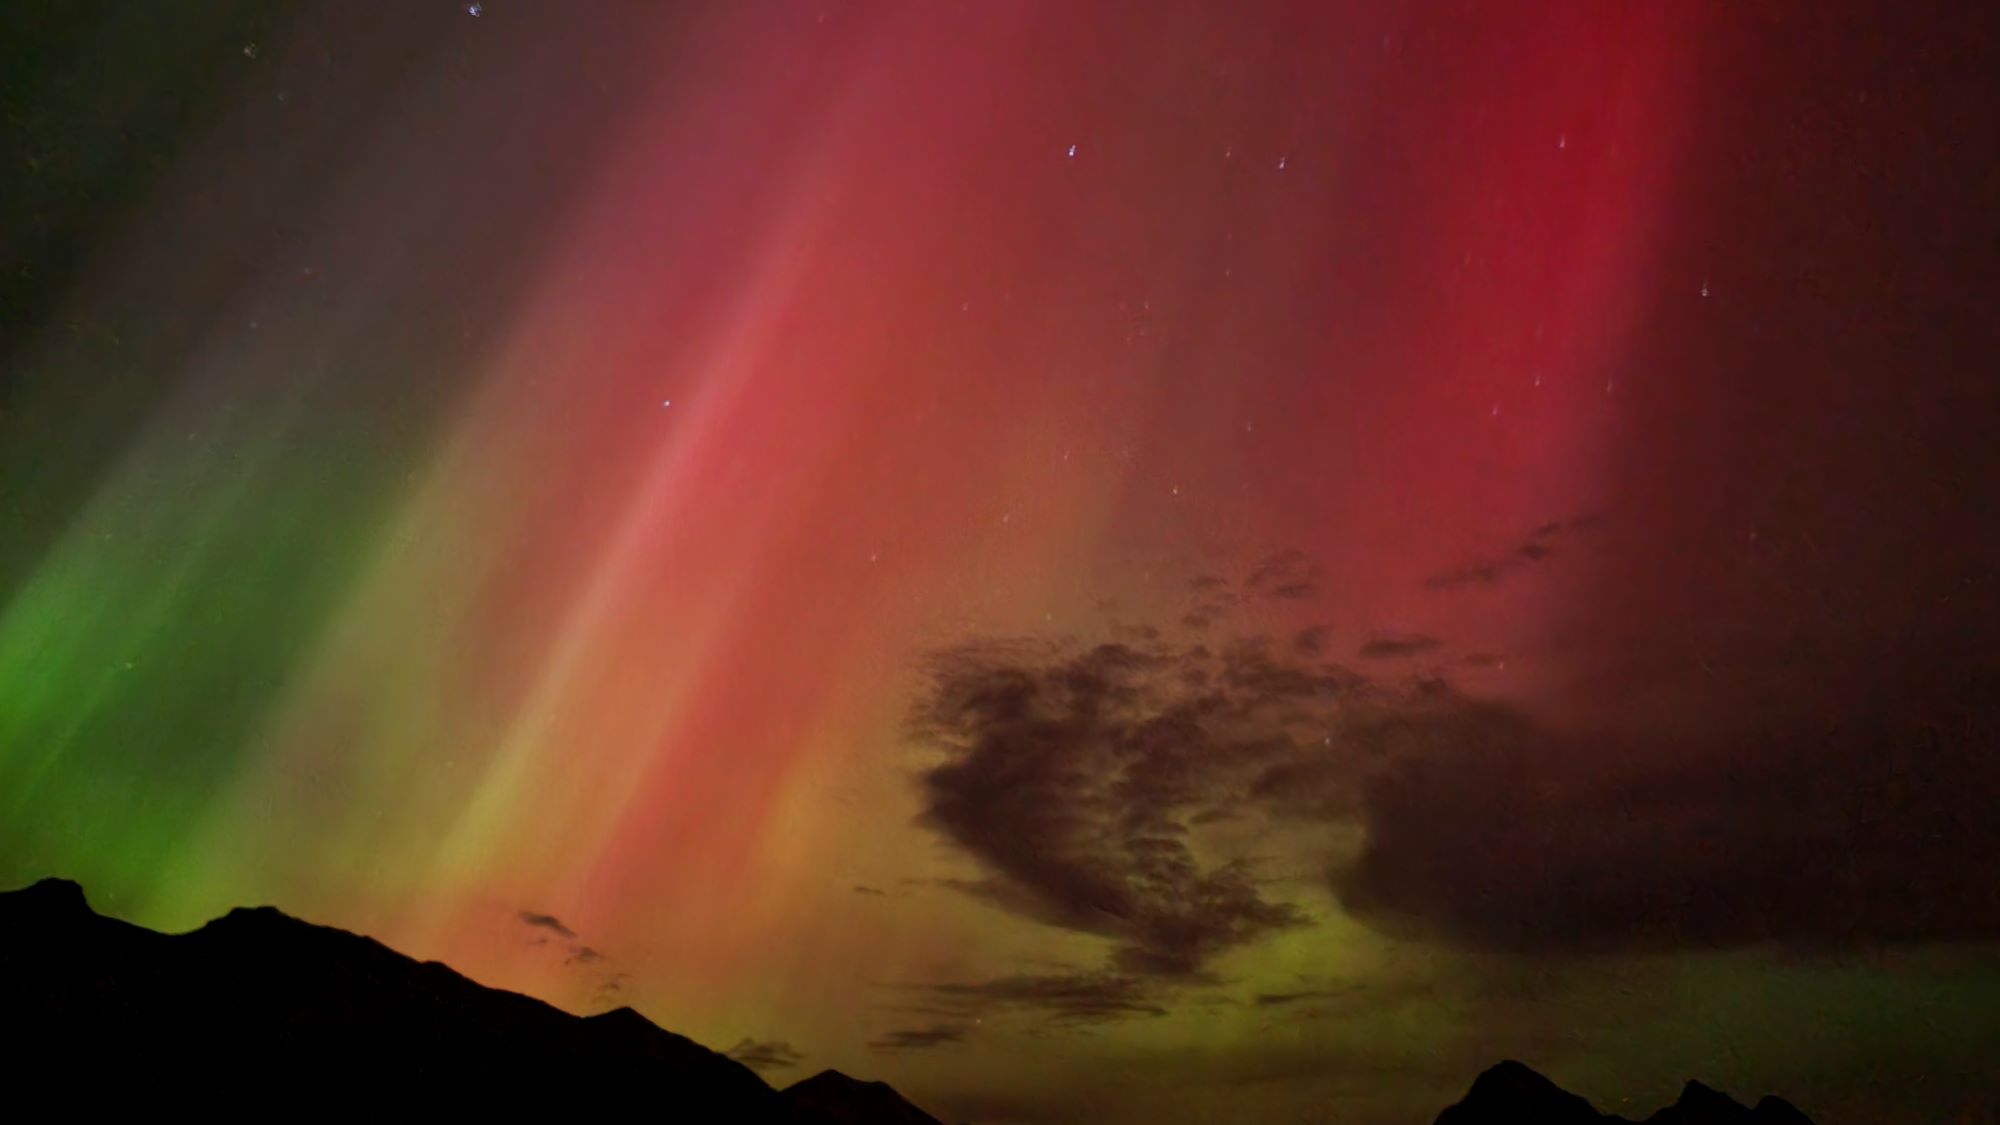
point(1113, 562)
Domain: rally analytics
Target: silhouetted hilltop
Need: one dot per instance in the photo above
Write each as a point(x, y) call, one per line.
point(258, 1011)
point(836, 1099)
point(1511, 1093)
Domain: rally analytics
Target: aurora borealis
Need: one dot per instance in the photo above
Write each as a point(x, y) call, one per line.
point(1098, 562)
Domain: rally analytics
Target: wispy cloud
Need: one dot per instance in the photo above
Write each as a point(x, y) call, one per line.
point(1390, 648)
point(1087, 997)
point(920, 1038)
point(765, 1054)
point(1490, 571)
point(547, 922)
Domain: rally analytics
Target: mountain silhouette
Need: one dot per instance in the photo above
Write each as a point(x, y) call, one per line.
point(259, 1012)
point(836, 1099)
point(1511, 1093)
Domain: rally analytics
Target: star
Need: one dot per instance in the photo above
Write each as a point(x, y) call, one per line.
point(475, 10)
point(665, 402)
point(1072, 152)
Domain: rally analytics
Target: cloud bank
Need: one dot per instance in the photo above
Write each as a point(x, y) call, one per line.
point(1085, 780)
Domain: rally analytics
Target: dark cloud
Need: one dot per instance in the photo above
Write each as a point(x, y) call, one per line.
point(1311, 642)
point(1390, 648)
point(1318, 787)
point(1082, 781)
point(920, 1038)
point(1068, 775)
point(1535, 548)
point(1301, 995)
point(1287, 575)
point(1869, 830)
point(956, 1011)
point(1084, 997)
point(575, 953)
point(547, 922)
point(1280, 999)
point(1476, 574)
point(864, 889)
point(765, 1054)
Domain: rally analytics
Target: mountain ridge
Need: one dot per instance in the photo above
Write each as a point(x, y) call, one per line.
point(1513, 1093)
point(257, 1004)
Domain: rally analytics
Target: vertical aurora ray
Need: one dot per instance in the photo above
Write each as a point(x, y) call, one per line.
point(573, 641)
point(293, 377)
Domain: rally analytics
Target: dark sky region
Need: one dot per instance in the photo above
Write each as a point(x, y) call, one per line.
point(1098, 562)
